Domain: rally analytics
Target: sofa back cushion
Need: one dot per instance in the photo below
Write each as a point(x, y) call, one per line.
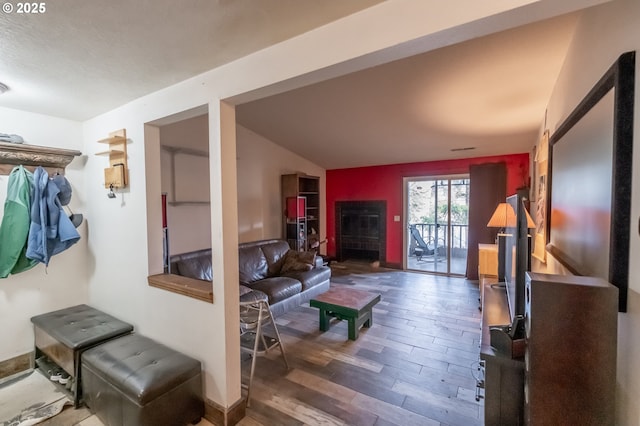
point(197, 267)
point(275, 252)
point(175, 258)
point(252, 264)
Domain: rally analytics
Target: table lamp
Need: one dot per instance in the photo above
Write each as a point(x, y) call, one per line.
point(502, 217)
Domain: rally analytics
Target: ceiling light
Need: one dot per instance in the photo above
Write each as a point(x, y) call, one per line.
point(3, 88)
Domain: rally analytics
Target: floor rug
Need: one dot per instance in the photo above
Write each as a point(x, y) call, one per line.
point(29, 400)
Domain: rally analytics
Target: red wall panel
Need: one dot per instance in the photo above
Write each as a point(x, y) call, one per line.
point(385, 183)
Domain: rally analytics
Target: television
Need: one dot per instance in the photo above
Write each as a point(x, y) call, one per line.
point(517, 254)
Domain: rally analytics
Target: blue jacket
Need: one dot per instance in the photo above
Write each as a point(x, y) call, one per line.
point(51, 230)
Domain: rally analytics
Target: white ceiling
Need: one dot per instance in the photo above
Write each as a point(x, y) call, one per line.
point(82, 58)
point(488, 94)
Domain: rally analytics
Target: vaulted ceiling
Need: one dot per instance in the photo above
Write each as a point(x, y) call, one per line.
point(485, 96)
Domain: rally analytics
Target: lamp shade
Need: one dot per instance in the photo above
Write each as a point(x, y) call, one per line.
point(504, 216)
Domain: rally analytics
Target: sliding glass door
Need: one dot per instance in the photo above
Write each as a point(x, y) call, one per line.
point(437, 224)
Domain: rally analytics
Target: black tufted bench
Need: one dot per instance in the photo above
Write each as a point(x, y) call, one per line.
point(64, 334)
point(135, 381)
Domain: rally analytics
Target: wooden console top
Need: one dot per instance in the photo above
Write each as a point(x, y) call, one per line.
point(495, 311)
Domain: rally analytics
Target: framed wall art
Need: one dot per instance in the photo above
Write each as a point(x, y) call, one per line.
point(540, 198)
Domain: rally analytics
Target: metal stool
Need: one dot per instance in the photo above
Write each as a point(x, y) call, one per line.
point(254, 315)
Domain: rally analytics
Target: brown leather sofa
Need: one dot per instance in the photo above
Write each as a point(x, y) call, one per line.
point(264, 266)
point(194, 264)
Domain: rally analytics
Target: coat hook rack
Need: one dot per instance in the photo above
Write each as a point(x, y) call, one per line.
point(111, 194)
point(54, 160)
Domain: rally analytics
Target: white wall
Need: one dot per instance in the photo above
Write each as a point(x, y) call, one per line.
point(602, 34)
point(189, 223)
point(124, 234)
point(65, 282)
point(260, 164)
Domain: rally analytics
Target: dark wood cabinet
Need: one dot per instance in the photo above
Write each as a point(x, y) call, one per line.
point(570, 360)
point(301, 209)
point(503, 375)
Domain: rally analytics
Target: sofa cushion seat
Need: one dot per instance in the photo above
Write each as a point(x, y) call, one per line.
point(311, 278)
point(275, 253)
point(277, 288)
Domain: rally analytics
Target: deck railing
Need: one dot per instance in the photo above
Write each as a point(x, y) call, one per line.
point(437, 235)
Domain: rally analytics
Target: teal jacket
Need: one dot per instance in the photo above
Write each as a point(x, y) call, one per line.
point(14, 229)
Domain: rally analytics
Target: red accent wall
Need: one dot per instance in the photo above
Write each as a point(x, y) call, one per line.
point(385, 183)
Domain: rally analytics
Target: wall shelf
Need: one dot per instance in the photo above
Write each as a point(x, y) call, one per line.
point(117, 174)
point(113, 151)
point(54, 160)
point(298, 228)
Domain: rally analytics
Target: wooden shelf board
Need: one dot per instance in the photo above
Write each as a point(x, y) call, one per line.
point(197, 289)
point(113, 139)
point(495, 311)
point(113, 152)
point(184, 203)
point(31, 156)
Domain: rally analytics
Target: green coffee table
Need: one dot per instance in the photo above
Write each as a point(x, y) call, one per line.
point(346, 304)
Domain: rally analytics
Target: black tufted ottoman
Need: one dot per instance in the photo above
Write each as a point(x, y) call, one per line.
point(135, 381)
point(62, 336)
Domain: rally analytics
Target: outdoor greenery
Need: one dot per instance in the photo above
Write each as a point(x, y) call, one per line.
point(422, 202)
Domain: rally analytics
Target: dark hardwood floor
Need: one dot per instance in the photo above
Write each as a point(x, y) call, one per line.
point(414, 366)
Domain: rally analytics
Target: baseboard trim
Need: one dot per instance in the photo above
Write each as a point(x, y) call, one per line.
point(218, 415)
point(391, 265)
point(16, 365)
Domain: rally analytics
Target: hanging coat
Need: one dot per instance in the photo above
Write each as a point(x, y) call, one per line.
point(15, 223)
point(51, 230)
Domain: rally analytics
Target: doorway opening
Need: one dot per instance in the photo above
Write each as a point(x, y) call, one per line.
point(437, 224)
